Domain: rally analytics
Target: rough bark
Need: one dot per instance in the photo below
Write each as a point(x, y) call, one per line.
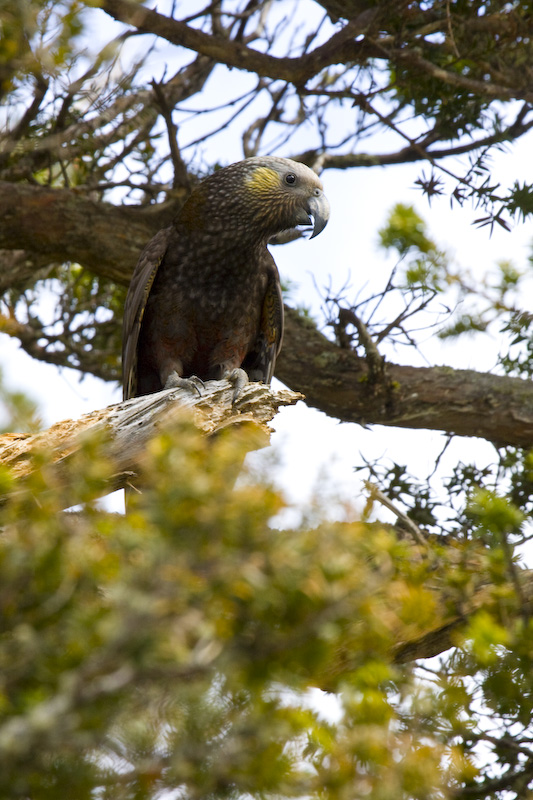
point(463, 402)
point(126, 429)
point(65, 226)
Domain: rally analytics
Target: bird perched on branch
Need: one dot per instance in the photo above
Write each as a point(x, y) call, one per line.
point(205, 296)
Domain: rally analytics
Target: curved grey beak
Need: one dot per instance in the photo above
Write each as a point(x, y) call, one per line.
point(315, 213)
point(318, 208)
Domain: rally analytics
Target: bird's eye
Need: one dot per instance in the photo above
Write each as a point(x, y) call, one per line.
point(290, 178)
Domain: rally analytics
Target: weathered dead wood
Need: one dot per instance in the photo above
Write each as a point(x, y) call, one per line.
point(128, 427)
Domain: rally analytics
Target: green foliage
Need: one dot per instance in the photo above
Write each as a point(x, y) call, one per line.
point(517, 359)
point(19, 411)
point(520, 202)
point(454, 106)
point(406, 233)
point(37, 39)
point(175, 647)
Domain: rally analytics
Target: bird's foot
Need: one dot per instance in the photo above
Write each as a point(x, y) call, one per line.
point(239, 379)
point(192, 384)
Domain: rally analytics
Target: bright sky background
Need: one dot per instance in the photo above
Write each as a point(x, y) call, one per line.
point(308, 446)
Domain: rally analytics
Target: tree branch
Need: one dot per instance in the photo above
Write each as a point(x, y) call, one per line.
point(65, 226)
point(412, 152)
point(126, 429)
point(487, 88)
point(107, 239)
point(296, 70)
point(447, 633)
point(463, 402)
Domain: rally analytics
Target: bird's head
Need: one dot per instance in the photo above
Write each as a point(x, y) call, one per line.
point(269, 196)
point(290, 193)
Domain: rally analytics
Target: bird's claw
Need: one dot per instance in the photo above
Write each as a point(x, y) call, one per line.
point(175, 381)
point(239, 378)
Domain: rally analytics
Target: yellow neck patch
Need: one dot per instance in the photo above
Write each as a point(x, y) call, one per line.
point(264, 179)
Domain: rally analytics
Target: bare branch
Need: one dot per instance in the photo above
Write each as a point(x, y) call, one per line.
point(296, 70)
point(405, 521)
point(129, 426)
point(464, 402)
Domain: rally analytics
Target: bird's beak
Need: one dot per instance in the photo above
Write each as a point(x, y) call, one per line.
point(315, 214)
point(318, 208)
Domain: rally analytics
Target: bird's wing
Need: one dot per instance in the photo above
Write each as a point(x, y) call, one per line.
point(139, 289)
point(261, 359)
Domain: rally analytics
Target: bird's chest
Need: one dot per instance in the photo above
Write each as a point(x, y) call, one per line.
point(214, 285)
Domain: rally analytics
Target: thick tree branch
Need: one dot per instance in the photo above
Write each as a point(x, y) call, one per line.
point(464, 402)
point(297, 70)
point(348, 44)
point(126, 429)
point(65, 226)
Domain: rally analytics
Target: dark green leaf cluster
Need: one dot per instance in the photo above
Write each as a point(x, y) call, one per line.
point(520, 202)
point(517, 360)
point(460, 40)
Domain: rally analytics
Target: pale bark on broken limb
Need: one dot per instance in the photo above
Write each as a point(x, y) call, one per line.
point(128, 427)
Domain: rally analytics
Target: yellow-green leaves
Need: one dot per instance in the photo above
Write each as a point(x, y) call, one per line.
point(175, 648)
point(405, 231)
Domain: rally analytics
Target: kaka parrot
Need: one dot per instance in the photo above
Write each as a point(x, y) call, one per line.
point(205, 296)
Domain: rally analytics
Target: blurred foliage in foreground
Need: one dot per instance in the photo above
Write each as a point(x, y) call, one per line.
point(177, 648)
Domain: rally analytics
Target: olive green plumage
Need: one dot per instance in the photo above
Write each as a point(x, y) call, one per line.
point(205, 296)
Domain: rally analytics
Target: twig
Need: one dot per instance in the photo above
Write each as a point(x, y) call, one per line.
point(377, 494)
point(181, 176)
point(375, 360)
